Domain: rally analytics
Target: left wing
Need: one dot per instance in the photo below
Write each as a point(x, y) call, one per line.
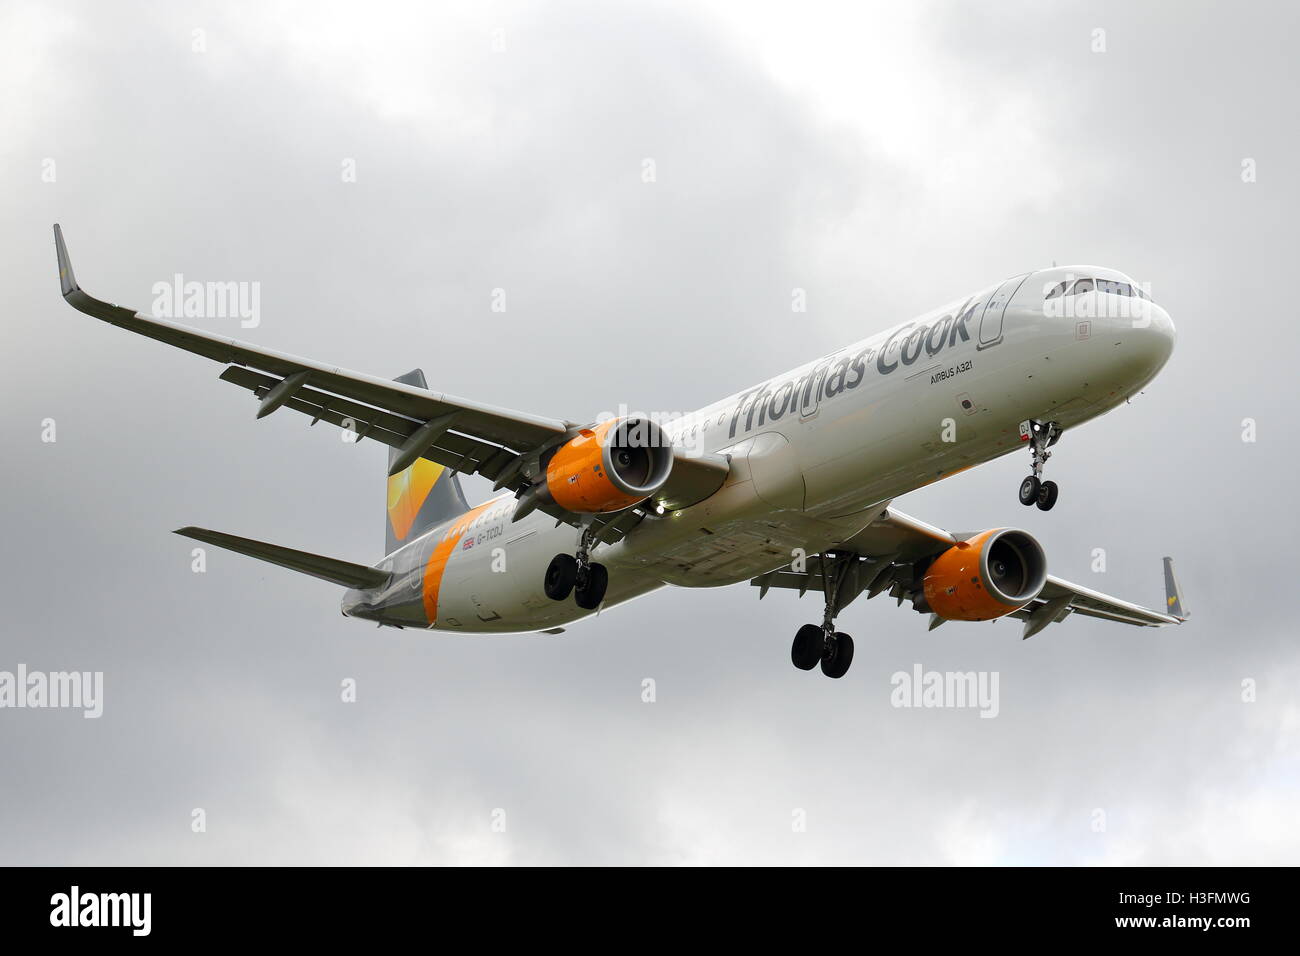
point(502, 445)
point(891, 552)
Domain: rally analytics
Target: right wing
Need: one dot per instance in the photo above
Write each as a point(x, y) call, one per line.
point(890, 554)
point(469, 437)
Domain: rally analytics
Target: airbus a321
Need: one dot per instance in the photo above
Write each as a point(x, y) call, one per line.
point(787, 484)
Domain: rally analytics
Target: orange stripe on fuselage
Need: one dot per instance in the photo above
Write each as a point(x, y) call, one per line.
point(442, 552)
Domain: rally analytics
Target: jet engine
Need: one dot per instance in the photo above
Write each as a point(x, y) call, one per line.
point(987, 576)
point(612, 466)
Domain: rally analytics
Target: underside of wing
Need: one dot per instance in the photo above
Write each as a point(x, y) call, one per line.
point(1092, 603)
point(505, 446)
point(893, 553)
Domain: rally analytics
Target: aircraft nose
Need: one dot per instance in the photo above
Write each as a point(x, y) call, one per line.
point(1154, 333)
point(1146, 338)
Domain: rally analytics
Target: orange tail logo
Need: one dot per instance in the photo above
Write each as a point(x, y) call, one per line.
point(407, 491)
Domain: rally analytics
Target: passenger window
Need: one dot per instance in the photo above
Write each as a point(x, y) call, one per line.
point(1058, 289)
point(1083, 285)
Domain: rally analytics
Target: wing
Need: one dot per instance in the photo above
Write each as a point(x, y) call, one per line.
point(469, 437)
point(891, 553)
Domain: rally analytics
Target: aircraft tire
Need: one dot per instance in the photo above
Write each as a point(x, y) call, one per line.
point(591, 592)
point(836, 663)
point(561, 575)
point(809, 643)
point(1047, 496)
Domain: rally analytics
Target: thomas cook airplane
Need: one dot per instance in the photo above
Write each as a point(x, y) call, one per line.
point(786, 485)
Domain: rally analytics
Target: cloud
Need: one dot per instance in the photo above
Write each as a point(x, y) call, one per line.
point(884, 160)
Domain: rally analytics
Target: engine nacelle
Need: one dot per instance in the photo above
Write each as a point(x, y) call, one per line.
point(988, 576)
point(612, 466)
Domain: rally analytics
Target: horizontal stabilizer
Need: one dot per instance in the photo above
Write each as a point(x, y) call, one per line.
point(343, 573)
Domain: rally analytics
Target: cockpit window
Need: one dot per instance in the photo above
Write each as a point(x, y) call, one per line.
point(1089, 284)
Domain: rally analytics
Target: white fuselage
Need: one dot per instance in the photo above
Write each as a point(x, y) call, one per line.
point(816, 451)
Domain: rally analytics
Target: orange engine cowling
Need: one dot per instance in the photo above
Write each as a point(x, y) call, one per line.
point(987, 576)
point(612, 466)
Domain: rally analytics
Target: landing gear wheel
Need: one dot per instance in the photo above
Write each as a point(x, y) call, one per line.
point(838, 656)
point(824, 645)
point(806, 651)
point(561, 575)
point(1041, 436)
point(1047, 496)
point(591, 591)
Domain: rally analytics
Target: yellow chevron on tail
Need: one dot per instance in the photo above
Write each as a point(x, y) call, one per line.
point(407, 491)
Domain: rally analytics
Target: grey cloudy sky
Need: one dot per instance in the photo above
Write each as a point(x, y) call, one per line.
point(884, 158)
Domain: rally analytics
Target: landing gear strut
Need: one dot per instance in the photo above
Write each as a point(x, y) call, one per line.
point(1033, 490)
point(814, 644)
point(578, 574)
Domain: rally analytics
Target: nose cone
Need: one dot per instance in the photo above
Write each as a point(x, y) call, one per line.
point(1154, 334)
point(1145, 341)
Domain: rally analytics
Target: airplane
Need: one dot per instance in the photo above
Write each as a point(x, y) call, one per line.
point(788, 484)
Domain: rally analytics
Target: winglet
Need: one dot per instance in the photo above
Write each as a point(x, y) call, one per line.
point(67, 281)
point(73, 293)
point(1173, 593)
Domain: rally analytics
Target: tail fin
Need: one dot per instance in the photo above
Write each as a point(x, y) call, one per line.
point(423, 495)
point(1173, 593)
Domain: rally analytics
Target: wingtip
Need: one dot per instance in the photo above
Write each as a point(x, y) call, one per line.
point(1175, 606)
point(67, 280)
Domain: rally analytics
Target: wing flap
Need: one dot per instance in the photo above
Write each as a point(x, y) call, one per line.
point(460, 452)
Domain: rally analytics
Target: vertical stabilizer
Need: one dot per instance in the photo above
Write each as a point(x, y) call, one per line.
point(421, 496)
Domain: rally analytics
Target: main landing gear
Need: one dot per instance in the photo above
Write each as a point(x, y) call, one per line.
point(1033, 490)
point(577, 574)
point(822, 644)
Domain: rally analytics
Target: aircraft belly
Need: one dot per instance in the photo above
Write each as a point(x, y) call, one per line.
point(727, 552)
point(500, 591)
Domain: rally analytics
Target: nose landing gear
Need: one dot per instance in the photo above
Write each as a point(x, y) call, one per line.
point(578, 574)
point(1041, 436)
